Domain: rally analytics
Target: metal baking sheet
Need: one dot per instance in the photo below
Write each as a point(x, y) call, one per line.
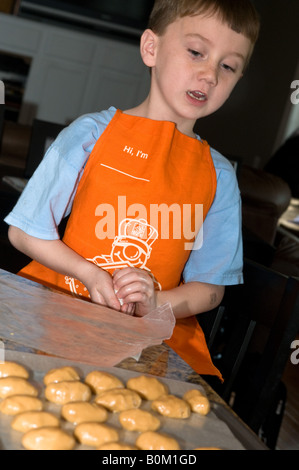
point(196, 431)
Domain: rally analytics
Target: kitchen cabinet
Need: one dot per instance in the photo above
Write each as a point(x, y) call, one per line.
point(72, 72)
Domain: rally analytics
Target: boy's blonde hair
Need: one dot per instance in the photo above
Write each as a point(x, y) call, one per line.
point(239, 15)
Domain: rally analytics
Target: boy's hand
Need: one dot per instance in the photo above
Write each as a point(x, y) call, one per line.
point(99, 284)
point(135, 286)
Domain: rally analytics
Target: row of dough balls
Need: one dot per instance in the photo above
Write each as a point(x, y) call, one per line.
point(63, 386)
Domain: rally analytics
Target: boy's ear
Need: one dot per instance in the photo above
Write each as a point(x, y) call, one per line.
point(148, 44)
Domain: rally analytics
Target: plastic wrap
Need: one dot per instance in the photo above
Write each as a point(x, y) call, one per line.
point(75, 329)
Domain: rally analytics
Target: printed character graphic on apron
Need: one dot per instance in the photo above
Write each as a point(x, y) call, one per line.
point(130, 248)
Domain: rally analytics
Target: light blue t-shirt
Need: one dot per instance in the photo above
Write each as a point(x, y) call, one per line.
point(49, 195)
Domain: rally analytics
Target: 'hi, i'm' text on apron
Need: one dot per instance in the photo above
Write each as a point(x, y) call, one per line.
point(141, 201)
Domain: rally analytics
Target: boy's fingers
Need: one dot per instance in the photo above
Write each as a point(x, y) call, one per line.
point(128, 309)
point(111, 299)
point(129, 276)
point(107, 299)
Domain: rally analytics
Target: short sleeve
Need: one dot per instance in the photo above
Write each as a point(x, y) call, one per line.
point(219, 258)
point(49, 194)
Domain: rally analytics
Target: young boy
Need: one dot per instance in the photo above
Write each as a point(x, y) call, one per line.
point(116, 172)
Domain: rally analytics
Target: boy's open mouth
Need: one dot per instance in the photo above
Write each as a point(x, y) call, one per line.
point(197, 95)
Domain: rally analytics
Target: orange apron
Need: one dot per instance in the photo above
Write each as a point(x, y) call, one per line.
point(143, 196)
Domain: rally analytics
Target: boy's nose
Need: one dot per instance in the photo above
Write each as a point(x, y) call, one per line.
point(209, 73)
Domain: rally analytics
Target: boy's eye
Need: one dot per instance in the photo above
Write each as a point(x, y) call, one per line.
point(228, 68)
point(194, 53)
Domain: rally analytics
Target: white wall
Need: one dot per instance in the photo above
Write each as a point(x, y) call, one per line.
point(71, 72)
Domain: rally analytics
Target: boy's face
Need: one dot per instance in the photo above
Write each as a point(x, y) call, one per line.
point(195, 64)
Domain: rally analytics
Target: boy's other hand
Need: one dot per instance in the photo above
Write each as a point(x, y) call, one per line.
point(134, 286)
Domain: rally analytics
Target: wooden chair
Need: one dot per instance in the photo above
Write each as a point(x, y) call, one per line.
point(259, 321)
